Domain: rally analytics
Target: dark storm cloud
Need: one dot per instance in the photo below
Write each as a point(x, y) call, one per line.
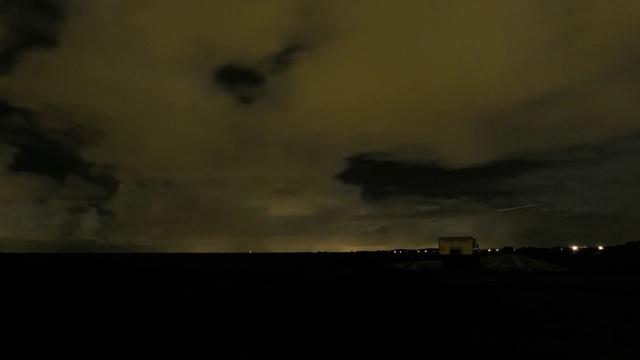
point(240, 81)
point(380, 178)
point(71, 193)
point(28, 25)
point(54, 155)
point(247, 83)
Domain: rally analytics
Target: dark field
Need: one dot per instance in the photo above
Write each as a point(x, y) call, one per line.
point(533, 304)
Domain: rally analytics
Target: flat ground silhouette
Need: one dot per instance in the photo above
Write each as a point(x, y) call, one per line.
point(536, 305)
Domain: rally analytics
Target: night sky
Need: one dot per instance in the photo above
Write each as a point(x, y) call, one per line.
point(302, 125)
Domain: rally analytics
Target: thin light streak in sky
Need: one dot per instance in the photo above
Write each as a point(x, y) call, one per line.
point(517, 207)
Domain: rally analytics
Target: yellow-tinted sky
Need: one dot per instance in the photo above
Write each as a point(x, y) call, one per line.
point(439, 86)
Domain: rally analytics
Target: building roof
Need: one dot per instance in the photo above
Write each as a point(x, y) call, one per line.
point(456, 238)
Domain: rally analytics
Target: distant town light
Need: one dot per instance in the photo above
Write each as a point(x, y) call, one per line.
point(489, 250)
point(497, 249)
point(600, 248)
point(574, 248)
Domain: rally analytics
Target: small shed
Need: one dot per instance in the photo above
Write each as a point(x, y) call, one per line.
point(457, 245)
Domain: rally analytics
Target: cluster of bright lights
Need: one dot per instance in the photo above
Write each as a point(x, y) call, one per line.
point(576, 248)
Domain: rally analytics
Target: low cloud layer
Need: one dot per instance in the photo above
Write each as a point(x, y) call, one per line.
point(245, 83)
point(296, 125)
point(27, 25)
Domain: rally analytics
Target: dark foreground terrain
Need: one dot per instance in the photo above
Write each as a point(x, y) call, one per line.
point(531, 304)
